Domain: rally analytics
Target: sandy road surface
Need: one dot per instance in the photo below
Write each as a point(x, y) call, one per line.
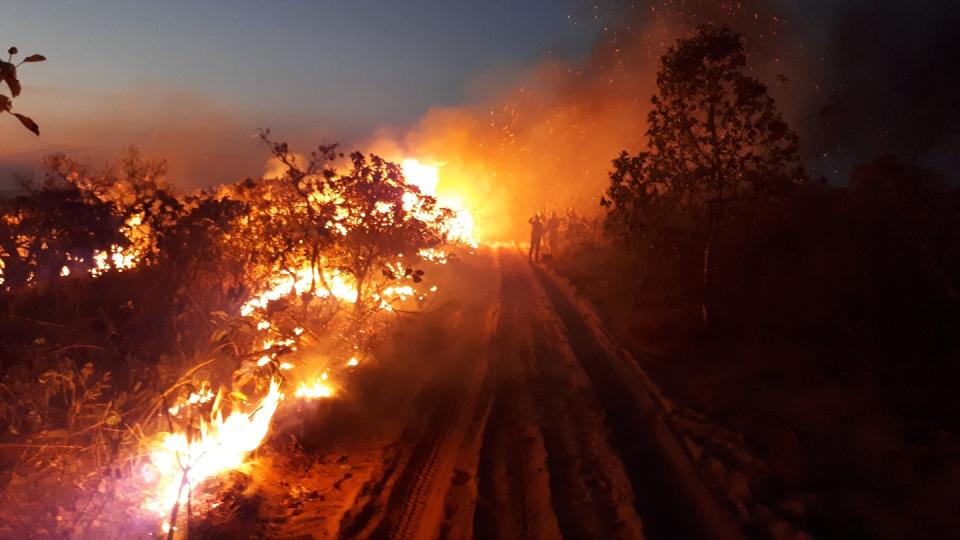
point(513, 418)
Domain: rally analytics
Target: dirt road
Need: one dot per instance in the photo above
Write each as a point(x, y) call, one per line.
point(519, 419)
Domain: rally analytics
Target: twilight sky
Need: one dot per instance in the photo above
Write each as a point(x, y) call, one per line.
point(193, 80)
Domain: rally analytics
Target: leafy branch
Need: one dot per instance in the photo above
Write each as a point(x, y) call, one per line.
point(8, 74)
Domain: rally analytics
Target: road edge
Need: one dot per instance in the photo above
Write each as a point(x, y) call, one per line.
point(651, 400)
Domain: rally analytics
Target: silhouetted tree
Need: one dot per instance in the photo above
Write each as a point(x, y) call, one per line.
point(716, 142)
point(53, 227)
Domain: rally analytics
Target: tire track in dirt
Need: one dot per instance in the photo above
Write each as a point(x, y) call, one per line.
point(513, 486)
point(669, 493)
point(546, 468)
point(531, 427)
point(415, 485)
point(407, 501)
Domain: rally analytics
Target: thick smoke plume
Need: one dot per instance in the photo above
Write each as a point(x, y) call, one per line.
point(546, 142)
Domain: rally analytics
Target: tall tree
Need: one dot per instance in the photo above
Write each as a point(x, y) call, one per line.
point(716, 141)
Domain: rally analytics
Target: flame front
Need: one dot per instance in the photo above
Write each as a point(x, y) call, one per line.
point(460, 227)
point(325, 284)
point(179, 462)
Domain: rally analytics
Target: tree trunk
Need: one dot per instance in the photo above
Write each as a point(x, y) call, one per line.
point(358, 302)
point(705, 292)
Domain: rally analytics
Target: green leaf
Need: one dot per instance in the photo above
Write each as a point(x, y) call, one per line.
point(28, 123)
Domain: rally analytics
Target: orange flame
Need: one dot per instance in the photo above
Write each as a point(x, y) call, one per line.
point(427, 177)
point(179, 463)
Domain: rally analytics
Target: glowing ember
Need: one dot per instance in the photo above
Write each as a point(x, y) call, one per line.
point(433, 255)
point(317, 389)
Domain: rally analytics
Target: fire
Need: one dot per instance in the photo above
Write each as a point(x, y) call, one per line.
point(206, 434)
point(460, 228)
point(314, 390)
point(318, 389)
point(325, 284)
point(124, 258)
point(425, 177)
point(179, 462)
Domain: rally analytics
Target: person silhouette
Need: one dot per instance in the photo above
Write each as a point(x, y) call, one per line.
point(536, 235)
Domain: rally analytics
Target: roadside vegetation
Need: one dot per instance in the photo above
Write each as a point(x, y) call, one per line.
point(133, 316)
point(821, 322)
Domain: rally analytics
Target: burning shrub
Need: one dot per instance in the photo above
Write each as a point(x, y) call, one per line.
point(209, 307)
point(56, 229)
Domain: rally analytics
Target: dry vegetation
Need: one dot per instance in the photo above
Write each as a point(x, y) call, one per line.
point(132, 314)
point(834, 316)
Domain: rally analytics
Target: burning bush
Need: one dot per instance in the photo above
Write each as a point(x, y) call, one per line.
point(8, 75)
point(192, 316)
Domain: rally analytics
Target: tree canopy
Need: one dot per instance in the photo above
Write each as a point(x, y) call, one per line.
point(715, 141)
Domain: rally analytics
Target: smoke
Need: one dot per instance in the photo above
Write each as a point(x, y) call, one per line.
point(855, 78)
point(545, 142)
point(889, 84)
point(205, 142)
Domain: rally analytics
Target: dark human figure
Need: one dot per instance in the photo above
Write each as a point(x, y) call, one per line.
point(536, 234)
point(553, 232)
